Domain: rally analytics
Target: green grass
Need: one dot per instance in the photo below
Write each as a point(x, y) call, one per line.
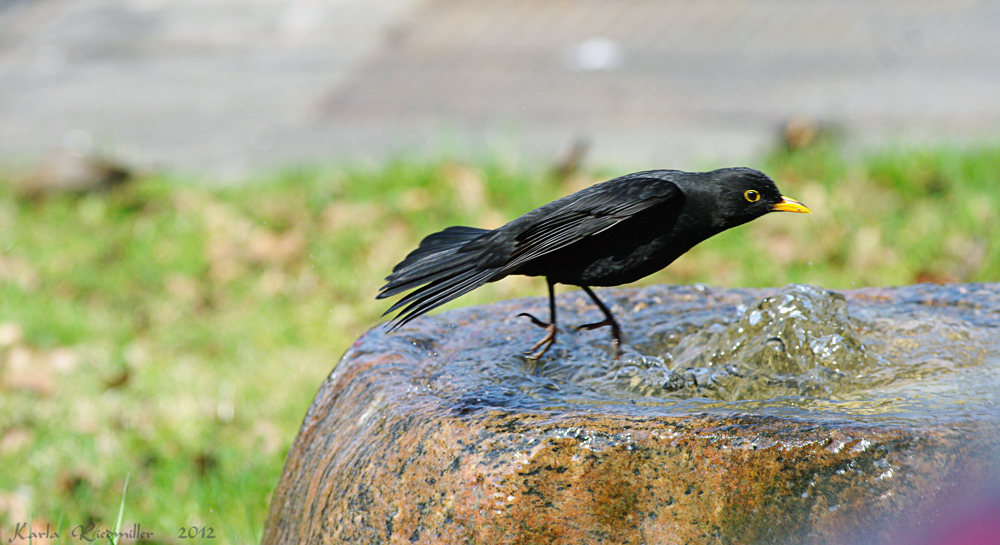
point(177, 334)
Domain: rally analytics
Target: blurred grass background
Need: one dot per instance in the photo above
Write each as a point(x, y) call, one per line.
point(177, 334)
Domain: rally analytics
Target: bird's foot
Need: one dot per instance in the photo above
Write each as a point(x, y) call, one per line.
point(534, 320)
point(542, 346)
point(616, 333)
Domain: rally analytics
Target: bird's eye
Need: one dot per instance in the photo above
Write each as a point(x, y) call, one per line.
point(752, 195)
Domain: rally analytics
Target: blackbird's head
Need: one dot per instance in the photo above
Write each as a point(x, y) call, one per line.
point(744, 194)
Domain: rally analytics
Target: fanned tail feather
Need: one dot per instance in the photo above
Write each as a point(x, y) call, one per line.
point(441, 267)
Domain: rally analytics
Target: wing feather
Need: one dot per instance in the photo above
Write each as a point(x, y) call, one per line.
point(588, 214)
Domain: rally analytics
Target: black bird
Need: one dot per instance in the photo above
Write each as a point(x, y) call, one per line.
point(608, 234)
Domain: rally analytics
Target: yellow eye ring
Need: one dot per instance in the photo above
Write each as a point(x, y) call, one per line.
point(752, 195)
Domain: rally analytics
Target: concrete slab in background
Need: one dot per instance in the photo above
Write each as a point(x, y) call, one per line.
point(227, 85)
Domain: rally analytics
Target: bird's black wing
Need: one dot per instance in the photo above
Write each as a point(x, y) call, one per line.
point(586, 214)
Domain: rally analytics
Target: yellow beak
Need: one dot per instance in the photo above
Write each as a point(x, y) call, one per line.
point(790, 205)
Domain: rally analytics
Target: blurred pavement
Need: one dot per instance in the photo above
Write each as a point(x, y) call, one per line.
point(226, 85)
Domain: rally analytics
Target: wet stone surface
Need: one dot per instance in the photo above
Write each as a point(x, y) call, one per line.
point(733, 416)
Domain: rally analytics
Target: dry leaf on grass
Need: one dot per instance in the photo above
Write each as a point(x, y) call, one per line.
point(11, 333)
point(279, 249)
point(15, 438)
point(18, 272)
point(27, 369)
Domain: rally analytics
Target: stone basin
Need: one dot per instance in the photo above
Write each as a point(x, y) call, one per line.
point(792, 415)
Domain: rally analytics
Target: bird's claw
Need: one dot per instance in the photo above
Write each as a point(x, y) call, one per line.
point(534, 320)
point(545, 343)
point(550, 337)
point(616, 334)
point(594, 325)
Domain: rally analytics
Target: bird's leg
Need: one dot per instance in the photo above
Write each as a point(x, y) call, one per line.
point(550, 328)
point(616, 332)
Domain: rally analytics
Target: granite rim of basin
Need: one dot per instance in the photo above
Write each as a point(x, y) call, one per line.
point(445, 432)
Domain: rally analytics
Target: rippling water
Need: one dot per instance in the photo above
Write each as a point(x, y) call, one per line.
point(803, 351)
point(802, 348)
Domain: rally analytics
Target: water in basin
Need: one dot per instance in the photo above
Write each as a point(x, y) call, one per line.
point(800, 351)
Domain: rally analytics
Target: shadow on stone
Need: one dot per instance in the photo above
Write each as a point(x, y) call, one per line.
point(735, 416)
